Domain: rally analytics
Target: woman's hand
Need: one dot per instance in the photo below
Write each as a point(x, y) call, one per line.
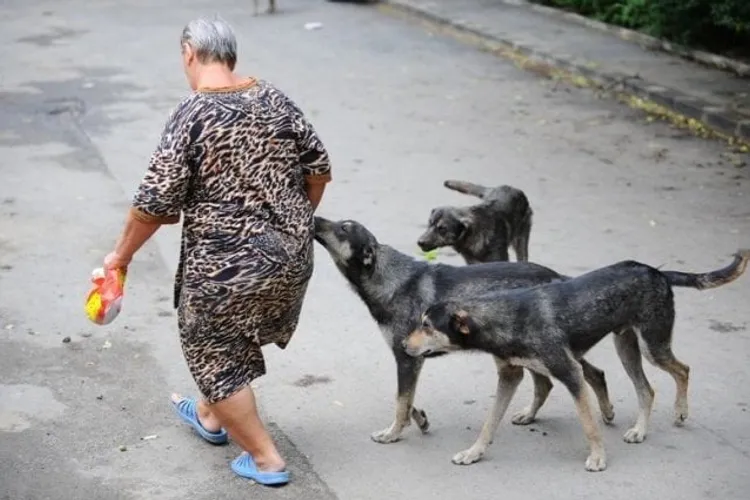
point(115, 261)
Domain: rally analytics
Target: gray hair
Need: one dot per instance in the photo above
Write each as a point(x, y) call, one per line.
point(212, 40)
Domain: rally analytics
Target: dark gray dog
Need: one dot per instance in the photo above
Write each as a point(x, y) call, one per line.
point(548, 327)
point(396, 288)
point(482, 232)
point(271, 7)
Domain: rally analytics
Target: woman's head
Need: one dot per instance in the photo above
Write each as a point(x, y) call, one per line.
point(206, 43)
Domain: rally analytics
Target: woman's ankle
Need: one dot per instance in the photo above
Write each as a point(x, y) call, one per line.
point(206, 417)
point(271, 463)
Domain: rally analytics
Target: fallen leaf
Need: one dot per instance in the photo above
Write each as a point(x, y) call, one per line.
point(431, 255)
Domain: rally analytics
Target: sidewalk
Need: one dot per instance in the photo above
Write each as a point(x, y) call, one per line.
point(719, 99)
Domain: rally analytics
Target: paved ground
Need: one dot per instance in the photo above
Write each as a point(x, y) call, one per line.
point(695, 90)
point(85, 90)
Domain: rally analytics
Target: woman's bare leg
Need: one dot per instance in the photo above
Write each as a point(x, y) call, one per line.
point(205, 416)
point(238, 414)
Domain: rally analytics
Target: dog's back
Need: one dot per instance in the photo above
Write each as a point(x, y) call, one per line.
point(430, 283)
point(484, 231)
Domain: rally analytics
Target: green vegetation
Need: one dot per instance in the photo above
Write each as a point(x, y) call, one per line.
point(721, 26)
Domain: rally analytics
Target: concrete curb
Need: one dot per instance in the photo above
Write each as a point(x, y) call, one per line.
point(648, 42)
point(723, 122)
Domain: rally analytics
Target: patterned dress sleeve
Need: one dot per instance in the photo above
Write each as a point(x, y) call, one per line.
point(316, 165)
point(161, 194)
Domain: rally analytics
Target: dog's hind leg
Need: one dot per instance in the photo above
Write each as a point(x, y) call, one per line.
point(570, 373)
point(598, 382)
point(508, 379)
point(657, 350)
point(521, 242)
point(626, 344)
point(408, 374)
point(542, 387)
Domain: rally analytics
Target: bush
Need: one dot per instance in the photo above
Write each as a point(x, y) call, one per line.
point(718, 25)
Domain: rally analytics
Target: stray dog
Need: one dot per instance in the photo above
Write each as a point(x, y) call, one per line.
point(547, 327)
point(482, 232)
point(396, 288)
point(271, 7)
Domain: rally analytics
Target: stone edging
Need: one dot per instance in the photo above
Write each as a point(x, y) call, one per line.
point(707, 58)
point(724, 122)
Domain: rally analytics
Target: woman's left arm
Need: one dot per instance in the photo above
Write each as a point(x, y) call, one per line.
point(313, 156)
point(160, 195)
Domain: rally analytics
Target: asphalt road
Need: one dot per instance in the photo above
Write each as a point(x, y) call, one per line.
point(85, 89)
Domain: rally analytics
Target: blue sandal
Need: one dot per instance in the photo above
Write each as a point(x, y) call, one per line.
point(186, 410)
point(244, 466)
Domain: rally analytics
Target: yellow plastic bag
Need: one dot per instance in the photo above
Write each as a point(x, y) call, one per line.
point(104, 300)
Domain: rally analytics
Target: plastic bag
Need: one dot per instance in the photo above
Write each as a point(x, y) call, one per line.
point(104, 300)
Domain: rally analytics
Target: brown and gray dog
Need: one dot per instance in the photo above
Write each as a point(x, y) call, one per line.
point(271, 7)
point(482, 232)
point(549, 327)
point(397, 288)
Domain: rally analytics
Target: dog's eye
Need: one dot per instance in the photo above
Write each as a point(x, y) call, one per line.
point(441, 229)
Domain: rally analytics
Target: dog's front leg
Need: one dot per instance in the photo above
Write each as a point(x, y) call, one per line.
point(542, 386)
point(408, 369)
point(598, 382)
point(570, 373)
point(508, 379)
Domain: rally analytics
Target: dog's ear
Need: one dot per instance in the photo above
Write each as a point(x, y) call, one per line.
point(461, 321)
point(466, 220)
point(368, 256)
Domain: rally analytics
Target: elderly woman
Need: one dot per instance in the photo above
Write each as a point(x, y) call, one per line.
point(241, 163)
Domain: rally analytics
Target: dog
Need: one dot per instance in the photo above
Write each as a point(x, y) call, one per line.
point(396, 288)
point(546, 328)
point(482, 232)
point(271, 7)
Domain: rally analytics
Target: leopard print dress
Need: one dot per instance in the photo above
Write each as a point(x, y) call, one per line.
point(234, 163)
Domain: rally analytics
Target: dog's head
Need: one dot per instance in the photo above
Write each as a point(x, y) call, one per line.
point(444, 327)
point(351, 245)
point(445, 227)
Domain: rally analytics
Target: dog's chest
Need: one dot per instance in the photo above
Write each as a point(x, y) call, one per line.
point(388, 334)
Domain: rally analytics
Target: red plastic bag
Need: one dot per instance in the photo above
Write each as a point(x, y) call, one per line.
point(104, 300)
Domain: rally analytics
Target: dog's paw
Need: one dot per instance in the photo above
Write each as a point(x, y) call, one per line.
point(680, 415)
point(634, 435)
point(524, 417)
point(468, 457)
point(608, 415)
point(420, 417)
point(386, 436)
point(596, 463)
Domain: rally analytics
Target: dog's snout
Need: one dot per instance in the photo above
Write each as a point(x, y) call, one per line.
point(424, 244)
point(320, 224)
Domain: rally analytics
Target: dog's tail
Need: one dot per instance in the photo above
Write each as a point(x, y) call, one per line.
point(467, 188)
point(711, 279)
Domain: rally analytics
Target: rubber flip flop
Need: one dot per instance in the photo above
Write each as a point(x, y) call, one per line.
point(244, 466)
point(186, 410)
